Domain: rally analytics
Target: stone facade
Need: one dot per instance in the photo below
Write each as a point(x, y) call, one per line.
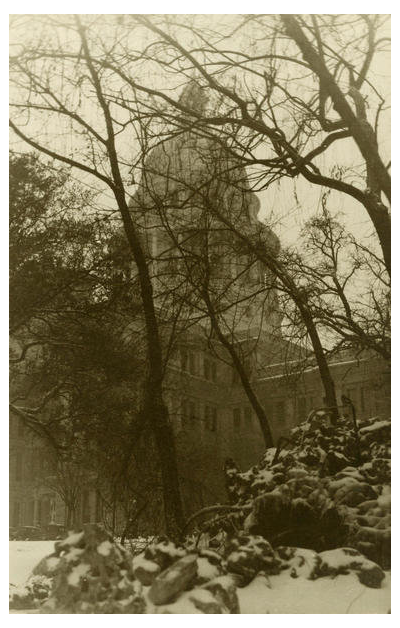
point(184, 183)
point(212, 421)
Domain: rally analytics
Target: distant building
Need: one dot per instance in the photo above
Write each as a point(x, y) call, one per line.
point(184, 179)
point(212, 421)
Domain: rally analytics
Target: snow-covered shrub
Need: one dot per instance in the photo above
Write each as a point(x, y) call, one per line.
point(328, 488)
point(31, 594)
point(91, 574)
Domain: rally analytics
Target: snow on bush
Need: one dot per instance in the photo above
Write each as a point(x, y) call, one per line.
point(88, 573)
point(328, 489)
point(328, 494)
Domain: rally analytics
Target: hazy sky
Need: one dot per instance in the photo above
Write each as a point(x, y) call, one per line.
point(286, 210)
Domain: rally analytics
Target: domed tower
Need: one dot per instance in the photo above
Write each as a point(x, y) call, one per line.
point(194, 204)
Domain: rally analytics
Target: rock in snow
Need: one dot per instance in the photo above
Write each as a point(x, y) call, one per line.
point(173, 580)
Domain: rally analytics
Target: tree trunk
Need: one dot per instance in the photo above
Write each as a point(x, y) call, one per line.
point(154, 408)
point(71, 515)
point(323, 366)
point(263, 421)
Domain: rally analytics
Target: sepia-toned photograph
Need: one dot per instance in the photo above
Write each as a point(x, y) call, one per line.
point(199, 314)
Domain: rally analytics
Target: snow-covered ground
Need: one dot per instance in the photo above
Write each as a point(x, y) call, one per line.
point(276, 595)
point(24, 556)
point(340, 595)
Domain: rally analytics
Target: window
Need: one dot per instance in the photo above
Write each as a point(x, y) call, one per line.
point(35, 463)
point(192, 410)
point(173, 263)
point(18, 467)
point(99, 507)
point(210, 370)
point(188, 411)
point(42, 464)
point(207, 369)
point(301, 408)
point(16, 514)
point(30, 513)
point(236, 418)
point(214, 423)
point(253, 271)
point(21, 428)
point(85, 507)
point(280, 410)
point(247, 415)
point(174, 197)
point(30, 464)
point(184, 412)
point(184, 360)
point(363, 398)
point(210, 418)
point(44, 511)
point(192, 363)
point(154, 245)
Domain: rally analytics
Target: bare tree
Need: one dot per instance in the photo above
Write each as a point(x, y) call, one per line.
point(270, 110)
point(334, 267)
point(288, 72)
point(32, 72)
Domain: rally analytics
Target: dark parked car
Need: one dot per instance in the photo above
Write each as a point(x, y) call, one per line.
point(26, 533)
point(49, 532)
point(54, 531)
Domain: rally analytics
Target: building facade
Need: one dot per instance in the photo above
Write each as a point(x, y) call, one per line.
point(189, 190)
point(212, 421)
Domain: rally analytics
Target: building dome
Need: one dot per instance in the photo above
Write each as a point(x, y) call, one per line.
point(194, 97)
point(191, 179)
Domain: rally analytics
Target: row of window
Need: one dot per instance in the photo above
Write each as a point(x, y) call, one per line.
point(362, 397)
point(190, 413)
point(190, 363)
point(241, 416)
point(30, 464)
point(162, 247)
point(41, 511)
point(23, 513)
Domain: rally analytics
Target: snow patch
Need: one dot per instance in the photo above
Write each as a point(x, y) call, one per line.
point(77, 573)
point(73, 554)
point(72, 539)
point(282, 594)
point(375, 426)
point(24, 556)
point(147, 565)
point(206, 570)
point(104, 548)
